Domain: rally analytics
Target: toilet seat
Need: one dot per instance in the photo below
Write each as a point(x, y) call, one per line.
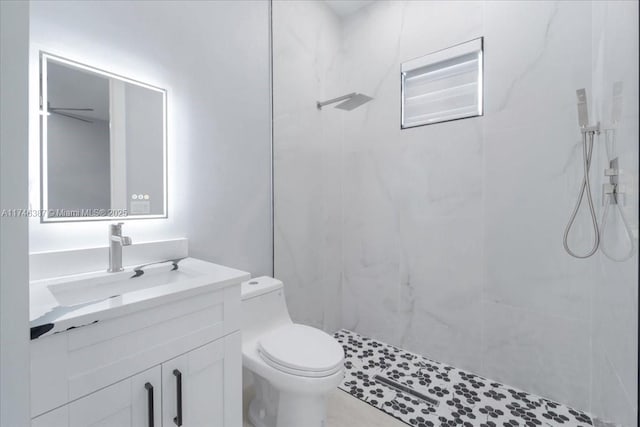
point(301, 350)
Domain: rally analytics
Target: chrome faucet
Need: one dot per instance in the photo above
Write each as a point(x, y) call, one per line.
point(116, 242)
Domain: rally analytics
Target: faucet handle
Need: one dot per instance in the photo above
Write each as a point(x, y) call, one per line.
point(117, 227)
point(126, 240)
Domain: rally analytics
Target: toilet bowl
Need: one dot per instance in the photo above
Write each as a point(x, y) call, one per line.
point(293, 366)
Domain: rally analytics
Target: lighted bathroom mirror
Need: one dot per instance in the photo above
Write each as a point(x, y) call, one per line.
point(103, 144)
point(443, 86)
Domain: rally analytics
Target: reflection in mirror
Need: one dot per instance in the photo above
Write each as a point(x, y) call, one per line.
point(103, 144)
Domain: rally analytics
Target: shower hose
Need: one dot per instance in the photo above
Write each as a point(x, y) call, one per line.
point(585, 188)
point(627, 229)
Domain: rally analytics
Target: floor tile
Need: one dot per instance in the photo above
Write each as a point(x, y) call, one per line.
point(426, 392)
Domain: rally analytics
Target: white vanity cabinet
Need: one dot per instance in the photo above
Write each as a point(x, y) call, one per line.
point(178, 363)
point(201, 388)
point(133, 402)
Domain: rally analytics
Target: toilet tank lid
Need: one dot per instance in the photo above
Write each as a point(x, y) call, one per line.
point(259, 286)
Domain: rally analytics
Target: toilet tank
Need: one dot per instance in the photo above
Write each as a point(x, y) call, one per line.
point(263, 306)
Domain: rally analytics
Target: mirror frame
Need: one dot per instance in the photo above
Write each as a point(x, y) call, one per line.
point(44, 217)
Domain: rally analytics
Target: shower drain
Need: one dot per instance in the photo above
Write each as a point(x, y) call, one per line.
point(404, 389)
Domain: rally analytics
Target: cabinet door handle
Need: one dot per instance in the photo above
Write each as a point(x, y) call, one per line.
point(149, 388)
point(178, 418)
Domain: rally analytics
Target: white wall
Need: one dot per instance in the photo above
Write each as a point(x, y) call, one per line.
point(213, 58)
point(450, 235)
point(14, 267)
point(229, 158)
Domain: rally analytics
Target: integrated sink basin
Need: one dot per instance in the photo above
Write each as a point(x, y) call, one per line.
point(72, 301)
point(108, 285)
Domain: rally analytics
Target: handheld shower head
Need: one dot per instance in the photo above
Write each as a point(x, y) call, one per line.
point(583, 110)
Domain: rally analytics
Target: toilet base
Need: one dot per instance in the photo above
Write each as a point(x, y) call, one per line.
point(270, 408)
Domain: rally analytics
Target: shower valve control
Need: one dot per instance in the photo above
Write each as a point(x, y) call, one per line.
point(612, 191)
point(612, 171)
point(613, 194)
point(608, 189)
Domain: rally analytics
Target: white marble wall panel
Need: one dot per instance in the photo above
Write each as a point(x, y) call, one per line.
point(546, 355)
point(307, 161)
point(529, 196)
point(413, 198)
point(536, 297)
point(615, 297)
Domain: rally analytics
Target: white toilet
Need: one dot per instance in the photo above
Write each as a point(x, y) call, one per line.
point(294, 367)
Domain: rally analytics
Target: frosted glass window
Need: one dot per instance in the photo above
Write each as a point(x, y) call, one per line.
point(442, 86)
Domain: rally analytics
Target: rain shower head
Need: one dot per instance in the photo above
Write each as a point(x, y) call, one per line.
point(350, 101)
point(354, 102)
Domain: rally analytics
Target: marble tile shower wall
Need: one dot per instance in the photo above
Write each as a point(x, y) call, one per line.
point(446, 240)
point(615, 296)
point(307, 161)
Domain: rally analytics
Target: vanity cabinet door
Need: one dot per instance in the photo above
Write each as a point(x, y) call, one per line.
point(133, 402)
point(203, 388)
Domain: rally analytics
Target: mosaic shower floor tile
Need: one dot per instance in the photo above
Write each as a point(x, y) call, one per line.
point(425, 393)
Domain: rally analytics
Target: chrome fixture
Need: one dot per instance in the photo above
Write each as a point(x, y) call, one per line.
point(351, 101)
point(610, 191)
point(116, 242)
point(613, 198)
point(588, 135)
point(583, 110)
point(390, 383)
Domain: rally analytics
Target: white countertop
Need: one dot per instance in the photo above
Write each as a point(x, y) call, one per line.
point(54, 306)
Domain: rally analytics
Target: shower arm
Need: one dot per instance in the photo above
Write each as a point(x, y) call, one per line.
point(334, 100)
